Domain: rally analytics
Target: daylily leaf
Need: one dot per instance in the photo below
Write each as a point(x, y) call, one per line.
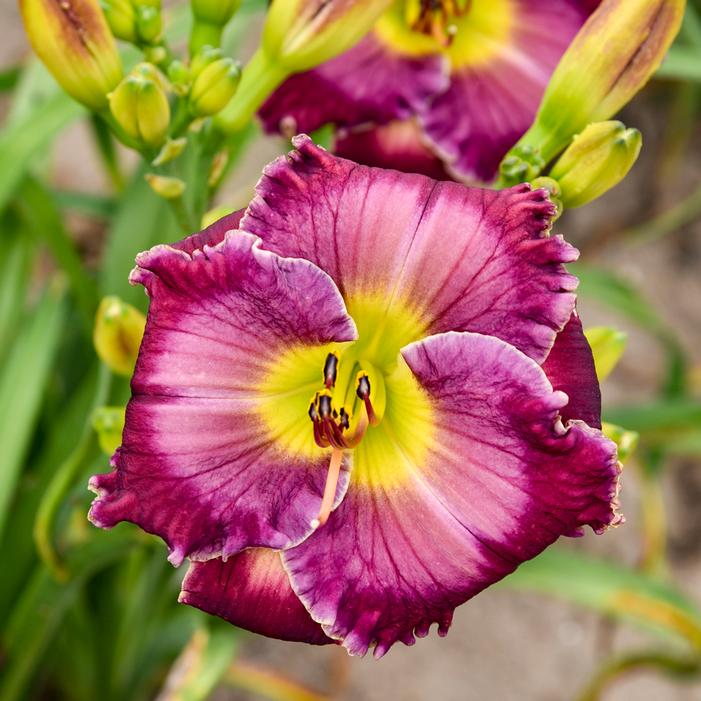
point(612, 590)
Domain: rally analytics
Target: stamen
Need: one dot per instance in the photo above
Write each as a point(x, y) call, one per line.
point(330, 370)
point(435, 18)
point(330, 488)
point(363, 393)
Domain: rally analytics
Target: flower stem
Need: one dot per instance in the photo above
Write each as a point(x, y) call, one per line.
point(260, 77)
point(61, 483)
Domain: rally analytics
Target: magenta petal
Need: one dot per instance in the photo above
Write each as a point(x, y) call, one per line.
point(212, 235)
point(570, 368)
point(197, 466)
point(252, 591)
point(503, 480)
point(395, 145)
point(464, 258)
point(369, 83)
point(488, 107)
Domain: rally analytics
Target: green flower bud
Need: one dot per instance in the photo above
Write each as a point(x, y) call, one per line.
point(108, 422)
point(214, 87)
point(140, 107)
point(119, 328)
point(149, 23)
point(610, 60)
point(206, 55)
point(214, 11)
point(121, 18)
point(166, 187)
point(179, 76)
point(607, 346)
point(73, 40)
point(596, 161)
point(627, 441)
point(298, 35)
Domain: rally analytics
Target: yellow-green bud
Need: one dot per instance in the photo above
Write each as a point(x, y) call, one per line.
point(149, 23)
point(206, 55)
point(298, 35)
point(75, 43)
point(140, 107)
point(170, 151)
point(108, 422)
point(301, 34)
point(214, 87)
point(214, 11)
point(119, 328)
point(121, 18)
point(553, 189)
point(596, 161)
point(164, 186)
point(607, 346)
point(179, 76)
point(610, 60)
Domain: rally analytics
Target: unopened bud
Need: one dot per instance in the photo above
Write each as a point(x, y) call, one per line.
point(617, 50)
point(121, 18)
point(149, 23)
point(554, 192)
point(119, 328)
point(108, 422)
point(204, 57)
point(170, 151)
point(607, 346)
point(214, 87)
point(164, 186)
point(596, 161)
point(75, 43)
point(626, 441)
point(179, 76)
point(140, 107)
point(298, 35)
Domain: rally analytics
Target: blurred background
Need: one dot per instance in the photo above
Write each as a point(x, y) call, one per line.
point(93, 616)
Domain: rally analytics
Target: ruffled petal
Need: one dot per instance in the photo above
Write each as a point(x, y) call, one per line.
point(460, 258)
point(570, 369)
point(252, 591)
point(501, 479)
point(368, 84)
point(198, 464)
point(212, 235)
point(398, 145)
point(489, 105)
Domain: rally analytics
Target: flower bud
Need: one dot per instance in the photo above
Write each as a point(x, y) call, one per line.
point(119, 328)
point(149, 23)
point(626, 441)
point(140, 107)
point(108, 422)
point(121, 18)
point(596, 161)
point(179, 76)
point(298, 35)
point(214, 87)
point(607, 346)
point(610, 60)
point(301, 34)
point(164, 186)
point(73, 40)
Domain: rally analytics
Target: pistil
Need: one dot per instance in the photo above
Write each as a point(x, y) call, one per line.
point(329, 488)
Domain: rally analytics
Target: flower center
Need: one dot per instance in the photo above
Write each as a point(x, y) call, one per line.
point(436, 18)
point(467, 32)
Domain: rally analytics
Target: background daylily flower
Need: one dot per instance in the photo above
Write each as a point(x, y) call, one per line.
point(360, 403)
point(453, 85)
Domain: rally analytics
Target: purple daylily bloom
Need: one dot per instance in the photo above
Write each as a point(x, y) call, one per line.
point(360, 402)
point(406, 100)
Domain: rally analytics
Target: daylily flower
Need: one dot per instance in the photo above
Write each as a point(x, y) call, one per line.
point(360, 402)
point(453, 83)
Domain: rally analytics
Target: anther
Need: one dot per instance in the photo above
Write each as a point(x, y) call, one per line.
point(313, 413)
point(330, 370)
point(363, 389)
point(325, 408)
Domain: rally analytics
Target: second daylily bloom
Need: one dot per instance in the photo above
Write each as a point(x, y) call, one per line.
point(450, 84)
point(360, 402)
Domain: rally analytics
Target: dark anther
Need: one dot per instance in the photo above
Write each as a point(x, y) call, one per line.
point(325, 406)
point(313, 413)
point(345, 419)
point(363, 390)
point(330, 370)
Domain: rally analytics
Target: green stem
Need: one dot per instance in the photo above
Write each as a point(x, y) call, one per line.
point(204, 34)
point(61, 483)
point(107, 152)
point(660, 661)
point(260, 77)
point(667, 222)
point(186, 220)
